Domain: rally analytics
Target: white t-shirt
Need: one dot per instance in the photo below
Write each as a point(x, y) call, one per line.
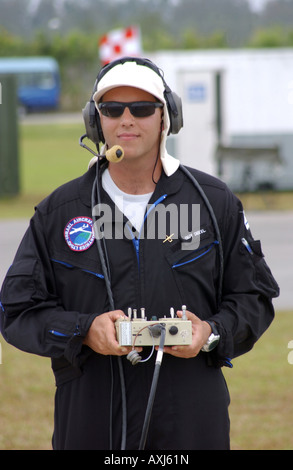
point(133, 206)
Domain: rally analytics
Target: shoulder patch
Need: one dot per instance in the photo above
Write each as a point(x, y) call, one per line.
point(79, 234)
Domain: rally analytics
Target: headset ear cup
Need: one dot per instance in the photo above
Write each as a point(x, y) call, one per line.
point(92, 123)
point(176, 118)
point(99, 128)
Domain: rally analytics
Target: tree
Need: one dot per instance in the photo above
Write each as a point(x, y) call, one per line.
point(270, 37)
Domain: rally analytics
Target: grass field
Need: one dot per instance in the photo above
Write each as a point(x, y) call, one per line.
point(260, 383)
point(50, 155)
point(261, 387)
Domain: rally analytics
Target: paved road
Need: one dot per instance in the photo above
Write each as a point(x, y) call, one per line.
point(274, 229)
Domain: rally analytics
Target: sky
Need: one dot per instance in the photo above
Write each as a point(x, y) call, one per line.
point(256, 5)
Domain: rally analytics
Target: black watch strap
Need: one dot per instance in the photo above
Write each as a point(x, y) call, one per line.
point(213, 327)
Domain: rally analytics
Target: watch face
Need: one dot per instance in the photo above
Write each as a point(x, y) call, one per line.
point(213, 344)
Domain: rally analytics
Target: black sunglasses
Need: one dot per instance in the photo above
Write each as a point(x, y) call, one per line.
point(139, 109)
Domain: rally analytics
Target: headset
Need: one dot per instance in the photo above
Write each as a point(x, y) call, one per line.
point(91, 116)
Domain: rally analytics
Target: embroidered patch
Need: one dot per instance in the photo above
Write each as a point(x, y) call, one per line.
point(79, 234)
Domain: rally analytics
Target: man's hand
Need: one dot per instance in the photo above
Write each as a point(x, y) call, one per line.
point(101, 336)
point(200, 333)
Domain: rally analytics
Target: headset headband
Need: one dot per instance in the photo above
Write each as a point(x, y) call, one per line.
point(138, 60)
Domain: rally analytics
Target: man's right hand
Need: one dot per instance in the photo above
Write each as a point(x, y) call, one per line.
point(101, 336)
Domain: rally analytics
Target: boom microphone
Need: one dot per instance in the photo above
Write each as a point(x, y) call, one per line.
point(115, 154)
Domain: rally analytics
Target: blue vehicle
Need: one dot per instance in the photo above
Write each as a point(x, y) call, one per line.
point(38, 81)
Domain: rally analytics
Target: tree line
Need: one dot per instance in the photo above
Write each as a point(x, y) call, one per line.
point(71, 34)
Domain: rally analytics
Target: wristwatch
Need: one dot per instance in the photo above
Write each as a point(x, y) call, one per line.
point(213, 339)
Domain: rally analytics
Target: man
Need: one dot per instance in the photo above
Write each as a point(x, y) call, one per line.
point(62, 295)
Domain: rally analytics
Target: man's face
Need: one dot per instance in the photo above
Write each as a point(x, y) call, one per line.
point(138, 136)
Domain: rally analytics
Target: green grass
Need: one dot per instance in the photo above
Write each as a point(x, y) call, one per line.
point(50, 155)
point(26, 400)
point(260, 384)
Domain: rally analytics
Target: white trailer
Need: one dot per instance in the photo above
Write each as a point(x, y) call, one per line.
point(239, 99)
